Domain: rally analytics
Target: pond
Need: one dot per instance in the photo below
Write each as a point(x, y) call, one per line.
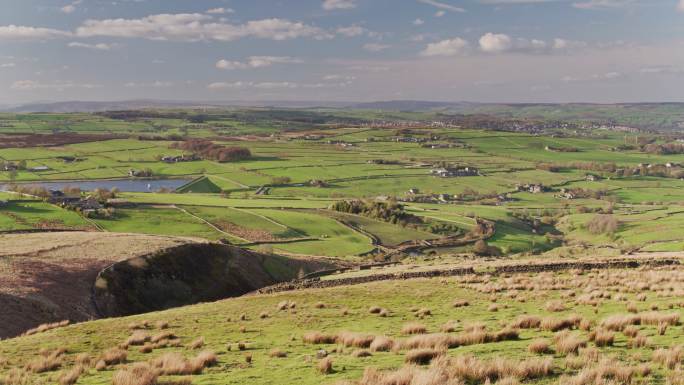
point(124, 185)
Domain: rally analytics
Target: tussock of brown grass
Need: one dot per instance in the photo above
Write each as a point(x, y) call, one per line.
point(71, 376)
point(603, 338)
point(352, 339)
point(555, 306)
point(325, 366)
point(360, 353)
point(423, 312)
point(444, 340)
point(138, 337)
point(557, 324)
point(277, 353)
point(45, 327)
point(319, 338)
point(138, 374)
point(197, 343)
point(263, 315)
point(606, 372)
point(567, 343)
point(167, 335)
point(83, 359)
point(414, 328)
point(319, 305)
point(460, 303)
point(449, 327)
point(460, 370)
point(175, 364)
point(526, 322)
point(539, 346)
point(374, 309)
point(422, 356)
point(47, 361)
point(669, 358)
point(114, 356)
point(382, 344)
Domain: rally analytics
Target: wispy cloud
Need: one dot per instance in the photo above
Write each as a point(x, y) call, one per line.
point(256, 62)
point(30, 85)
point(442, 5)
point(449, 47)
point(95, 47)
point(330, 5)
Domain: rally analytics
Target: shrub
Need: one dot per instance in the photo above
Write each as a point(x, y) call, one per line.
point(114, 356)
point(602, 224)
point(357, 340)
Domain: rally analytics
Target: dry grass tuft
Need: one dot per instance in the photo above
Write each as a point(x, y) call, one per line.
point(382, 344)
point(422, 356)
point(360, 353)
point(460, 303)
point(45, 327)
point(47, 361)
point(567, 343)
point(413, 328)
point(325, 366)
point(277, 353)
point(114, 356)
point(352, 339)
point(196, 344)
point(555, 306)
point(539, 346)
point(138, 374)
point(319, 338)
point(71, 376)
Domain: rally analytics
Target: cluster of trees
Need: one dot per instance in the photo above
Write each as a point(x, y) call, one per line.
point(210, 150)
point(389, 211)
point(481, 248)
point(562, 148)
point(602, 224)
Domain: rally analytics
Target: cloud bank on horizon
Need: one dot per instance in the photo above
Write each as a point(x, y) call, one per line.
point(352, 50)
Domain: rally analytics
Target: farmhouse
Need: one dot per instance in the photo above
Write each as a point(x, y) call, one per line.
point(180, 158)
point(444, 172)
point(592, 178)
point(9, 166)
point(534, 188)
point(58, 197)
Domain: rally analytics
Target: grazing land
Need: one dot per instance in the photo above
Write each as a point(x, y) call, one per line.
point(415, 248)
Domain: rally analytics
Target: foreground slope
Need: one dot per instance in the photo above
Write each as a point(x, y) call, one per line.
point(576, 326)
point(77, 276)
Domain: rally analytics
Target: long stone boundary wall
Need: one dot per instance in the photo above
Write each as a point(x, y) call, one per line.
point(317, 283)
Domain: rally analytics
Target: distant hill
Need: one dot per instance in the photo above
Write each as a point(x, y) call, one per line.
point(406, 105)
point(99, 106)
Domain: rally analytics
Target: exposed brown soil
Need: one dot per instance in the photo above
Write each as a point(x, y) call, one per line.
point(48, 277)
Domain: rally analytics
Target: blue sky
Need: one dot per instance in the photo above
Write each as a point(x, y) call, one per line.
point(342, 50)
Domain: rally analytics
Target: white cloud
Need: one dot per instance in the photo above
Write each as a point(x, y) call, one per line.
point(195, 27)
point(495, 43)
point(449, 47)
point(499, 43)
point(440, 13)
point(421, 22)
point(602, 4)
point(155, 84)
point(375, 47)
point(220, 11)
point(20, 33)
point(8, 65)
point(339, 77)
point(96, 47)
point(507, 2)
point(31, 85)
point(70, 8)
point(256, 62)
point(274, 85)
point(680, 6)
point(351, 31)
point(330, 5)
point(442, 5)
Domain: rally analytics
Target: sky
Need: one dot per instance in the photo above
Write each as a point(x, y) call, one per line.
point(342, 50)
